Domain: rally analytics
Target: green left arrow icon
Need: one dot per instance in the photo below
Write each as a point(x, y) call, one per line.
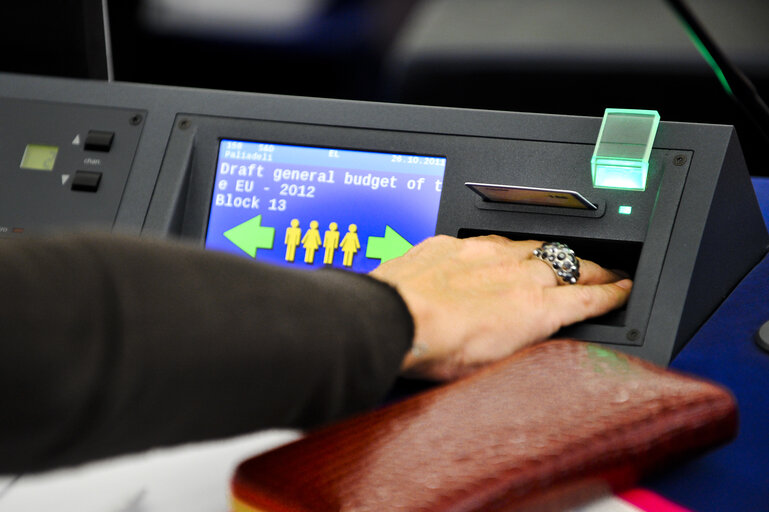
point(251, 235)
point(388, 247)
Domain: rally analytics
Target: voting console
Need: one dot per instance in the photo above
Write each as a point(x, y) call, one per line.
point(308, 183)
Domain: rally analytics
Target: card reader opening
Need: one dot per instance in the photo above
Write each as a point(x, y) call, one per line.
point(621, 256)
point(613, 254)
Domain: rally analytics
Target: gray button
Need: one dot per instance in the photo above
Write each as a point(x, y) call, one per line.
point(762, 337)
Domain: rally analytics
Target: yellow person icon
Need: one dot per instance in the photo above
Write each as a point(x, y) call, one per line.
point(330, 243)
point(293, 239)
point(350, 245)
point(311, 242)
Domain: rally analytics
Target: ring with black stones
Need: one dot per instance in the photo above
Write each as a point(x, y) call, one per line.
point(561, 259)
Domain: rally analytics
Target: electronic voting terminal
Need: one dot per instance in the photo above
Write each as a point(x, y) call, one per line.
point(308, 183)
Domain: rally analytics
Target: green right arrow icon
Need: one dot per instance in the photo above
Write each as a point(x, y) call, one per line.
point(388, 247)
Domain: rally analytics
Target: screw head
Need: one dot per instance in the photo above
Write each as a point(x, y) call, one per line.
point(679, 160)
point(633, 334)
point(184, 124)
point(135, 119)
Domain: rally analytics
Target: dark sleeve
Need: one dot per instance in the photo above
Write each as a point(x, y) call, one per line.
point(111, 345)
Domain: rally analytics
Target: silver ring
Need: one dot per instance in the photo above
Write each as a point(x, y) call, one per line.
point(561, 259)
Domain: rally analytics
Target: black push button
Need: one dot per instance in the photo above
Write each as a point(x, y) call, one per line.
point(98, 140)
point(86, 181)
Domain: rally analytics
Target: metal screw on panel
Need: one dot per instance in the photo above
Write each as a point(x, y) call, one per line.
point(679, 160)
point(184, 124)
point(135, 119)
point(633, 334)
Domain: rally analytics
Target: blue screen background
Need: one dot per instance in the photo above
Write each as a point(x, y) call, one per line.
point(408, 203)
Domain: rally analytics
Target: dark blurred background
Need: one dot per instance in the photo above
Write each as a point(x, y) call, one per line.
point(551, 56)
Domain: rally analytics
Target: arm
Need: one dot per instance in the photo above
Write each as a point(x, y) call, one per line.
point(114, 345)
point(111, 345)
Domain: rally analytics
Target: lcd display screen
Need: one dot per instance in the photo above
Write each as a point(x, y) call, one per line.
point(39, 157)
point(309, 207)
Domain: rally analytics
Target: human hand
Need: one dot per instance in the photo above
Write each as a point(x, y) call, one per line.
point(477, 300)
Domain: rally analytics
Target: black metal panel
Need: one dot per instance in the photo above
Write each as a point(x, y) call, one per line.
point(43, 201)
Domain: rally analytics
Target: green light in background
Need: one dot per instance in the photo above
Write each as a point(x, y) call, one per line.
point(625, 209)
point(708, 57)
point(621, 156)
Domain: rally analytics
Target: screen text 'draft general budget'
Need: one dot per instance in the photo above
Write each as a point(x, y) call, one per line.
point(293, 188)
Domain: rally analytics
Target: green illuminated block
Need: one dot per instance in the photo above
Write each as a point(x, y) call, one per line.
point(625, 210)
point(621, 156)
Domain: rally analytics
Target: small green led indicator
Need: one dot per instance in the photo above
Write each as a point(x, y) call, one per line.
point(621, 156)
point(625, 210)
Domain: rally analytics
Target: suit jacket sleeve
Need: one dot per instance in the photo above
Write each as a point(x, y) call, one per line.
point(110, 345)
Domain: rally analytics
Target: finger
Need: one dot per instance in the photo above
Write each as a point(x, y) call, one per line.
point(518, 249)
point(495, 248)
point(592, 273)
point(541, 272)
point(527, 246)
point(573, 304)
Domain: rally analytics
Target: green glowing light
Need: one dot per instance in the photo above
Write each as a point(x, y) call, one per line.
point(621, 156)
point(708, 58)
point(625, 210)
point(623, 177)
